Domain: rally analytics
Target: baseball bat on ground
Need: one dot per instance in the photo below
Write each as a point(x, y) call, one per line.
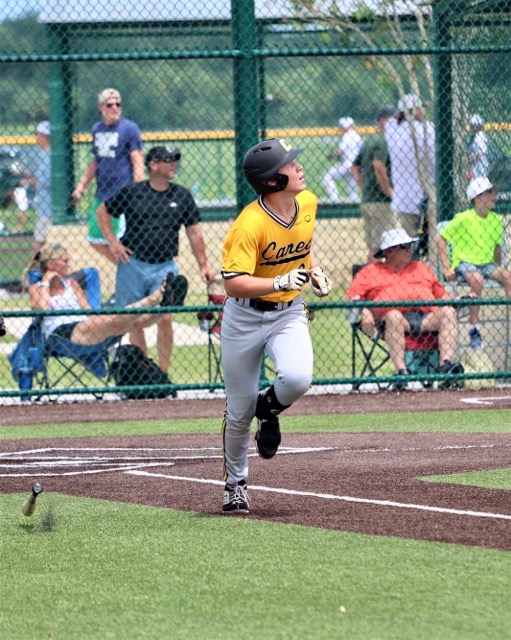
point(29, 507)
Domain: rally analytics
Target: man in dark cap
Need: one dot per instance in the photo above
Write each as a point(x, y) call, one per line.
point(154, 209)
point(371, 169)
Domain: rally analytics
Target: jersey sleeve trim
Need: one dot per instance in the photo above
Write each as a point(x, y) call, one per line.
point(228, 275)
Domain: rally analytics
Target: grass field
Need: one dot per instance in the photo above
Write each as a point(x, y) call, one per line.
point(86, 568)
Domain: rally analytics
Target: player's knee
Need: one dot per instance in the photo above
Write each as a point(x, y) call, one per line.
point(294, 385)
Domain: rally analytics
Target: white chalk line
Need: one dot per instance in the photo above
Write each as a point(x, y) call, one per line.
point(485, 400)
point(82, 472)
point(330, 496)
point(109, 464)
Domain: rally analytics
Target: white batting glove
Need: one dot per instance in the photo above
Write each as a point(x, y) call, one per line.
point(294, 280)
point(321, 285)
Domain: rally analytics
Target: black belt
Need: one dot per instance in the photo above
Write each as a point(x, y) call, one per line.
point(263, 305)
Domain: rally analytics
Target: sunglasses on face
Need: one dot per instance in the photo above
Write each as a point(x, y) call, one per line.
point(405, 247)
point(168, 160)
point(111, 105)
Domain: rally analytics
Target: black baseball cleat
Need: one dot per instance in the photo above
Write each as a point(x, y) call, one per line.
point(268, 437)
point(167, 290)
point(399, 385)
point(236, 498)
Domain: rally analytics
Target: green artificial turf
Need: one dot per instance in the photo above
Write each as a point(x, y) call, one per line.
point(494, 479)
point(115, 571)
point(478, 421)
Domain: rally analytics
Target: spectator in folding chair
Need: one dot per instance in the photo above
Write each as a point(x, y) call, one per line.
point(57, 292)
point(397, 277)
point(476, 237)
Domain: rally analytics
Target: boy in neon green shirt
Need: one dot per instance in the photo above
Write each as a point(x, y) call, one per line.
point(475, 236)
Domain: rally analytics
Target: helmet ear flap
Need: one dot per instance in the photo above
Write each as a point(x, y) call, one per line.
point(262, 163)
point(281, 181)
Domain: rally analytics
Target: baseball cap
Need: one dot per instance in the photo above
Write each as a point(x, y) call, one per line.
point(387, 111)
point(346, 122)
point(43, 128)
point(409, 101)
point(162, 154)
point(477, 186)
point(108, 93)
point(393, 238)
point(476, 120)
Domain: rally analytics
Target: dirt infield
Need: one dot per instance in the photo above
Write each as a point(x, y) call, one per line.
point(369, 483)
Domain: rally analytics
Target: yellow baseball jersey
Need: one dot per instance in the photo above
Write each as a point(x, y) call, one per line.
point(260, 244)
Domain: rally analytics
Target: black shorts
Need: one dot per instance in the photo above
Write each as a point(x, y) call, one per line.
point(415, 319)
point(65, 330)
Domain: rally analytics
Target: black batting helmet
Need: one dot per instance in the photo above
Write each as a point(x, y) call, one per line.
point(263, 161)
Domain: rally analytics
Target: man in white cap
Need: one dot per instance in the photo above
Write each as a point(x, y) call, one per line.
point(476, 237)
point(397, 277)
point(407, 143)
point(345, 154)
point(478, 148)
point(117, 161)
point(43, 197)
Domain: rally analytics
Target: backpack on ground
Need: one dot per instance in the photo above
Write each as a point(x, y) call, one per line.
point(131, 367)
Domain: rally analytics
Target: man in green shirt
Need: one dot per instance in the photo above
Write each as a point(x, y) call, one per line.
point(475, 237)
point(371, 169)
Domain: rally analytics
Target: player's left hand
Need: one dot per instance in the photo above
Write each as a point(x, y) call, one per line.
point(321, 285)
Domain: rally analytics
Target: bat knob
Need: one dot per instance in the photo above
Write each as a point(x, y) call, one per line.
point(37, 488)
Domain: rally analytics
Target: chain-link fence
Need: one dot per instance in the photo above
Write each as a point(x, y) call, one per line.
point(399, 106)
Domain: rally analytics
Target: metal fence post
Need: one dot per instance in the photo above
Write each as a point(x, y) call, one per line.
point(245, 92)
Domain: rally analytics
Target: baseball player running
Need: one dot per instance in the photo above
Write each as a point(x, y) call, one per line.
point(267, 259)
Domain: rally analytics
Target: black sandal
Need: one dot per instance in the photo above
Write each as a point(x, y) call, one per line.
point(167, 290)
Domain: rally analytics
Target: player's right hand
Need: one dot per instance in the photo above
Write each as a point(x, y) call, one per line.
point(294, 280)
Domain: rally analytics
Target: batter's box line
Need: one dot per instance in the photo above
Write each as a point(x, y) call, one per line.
point(86, 472)
point(330, 496)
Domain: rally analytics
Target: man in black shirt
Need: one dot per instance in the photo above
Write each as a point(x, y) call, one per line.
point(154, 210)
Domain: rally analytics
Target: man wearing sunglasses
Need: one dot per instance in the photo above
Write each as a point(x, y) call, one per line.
point(476, 237)
point(398, 277)
point(117, 161)
point(155, 210)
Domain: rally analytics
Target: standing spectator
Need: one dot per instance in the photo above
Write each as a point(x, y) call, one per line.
point(345, 154)
point(476, 238)
point(408, 146)
point(372, 173)
point(479, 148)
point(401, 278)
point(20, 199)
point(267, 259)
point(43, 196)
point(155, 210)
point(117, 161)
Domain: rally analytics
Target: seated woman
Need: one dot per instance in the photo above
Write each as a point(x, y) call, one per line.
point(57, 292)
